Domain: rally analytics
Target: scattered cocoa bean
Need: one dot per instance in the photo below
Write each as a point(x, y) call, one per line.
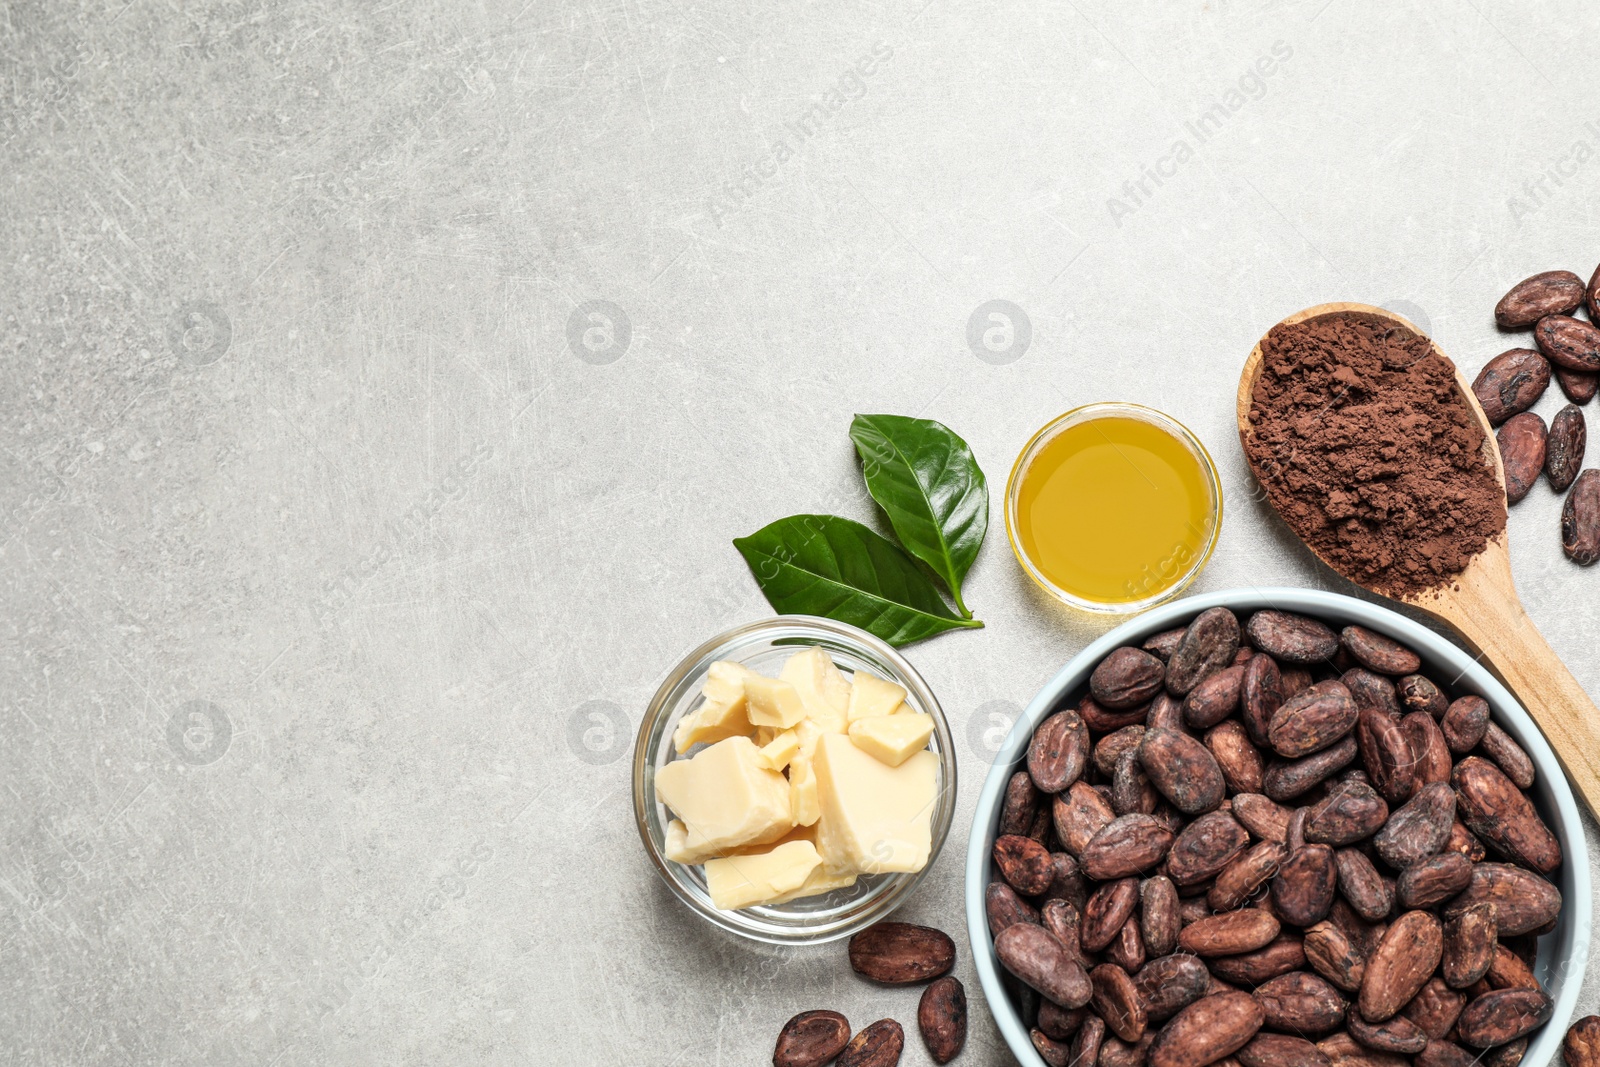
point(1580, 519)
point(1569, 342)
point(1564, 447)
point(1578, 387)
point(897, 953)
point(1581, 1046)
point(1522, 447)
point(1511, 382)
point(879, 1045)
point(1553, 292)
point(811, 1039)
point(942, 1018)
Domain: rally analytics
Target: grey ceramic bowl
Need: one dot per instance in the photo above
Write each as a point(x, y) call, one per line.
point(1563, 953)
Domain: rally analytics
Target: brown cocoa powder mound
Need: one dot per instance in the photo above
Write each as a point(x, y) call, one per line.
point(1367, 449)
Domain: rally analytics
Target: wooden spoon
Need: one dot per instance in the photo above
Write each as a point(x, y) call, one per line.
point(1482, 605)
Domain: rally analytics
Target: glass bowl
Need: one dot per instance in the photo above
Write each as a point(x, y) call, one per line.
point(763, 646)
point(1185, 573)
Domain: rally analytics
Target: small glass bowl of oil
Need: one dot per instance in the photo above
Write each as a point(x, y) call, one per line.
point(1113, 507)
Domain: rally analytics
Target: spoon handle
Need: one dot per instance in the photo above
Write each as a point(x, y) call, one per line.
point(1490, 616)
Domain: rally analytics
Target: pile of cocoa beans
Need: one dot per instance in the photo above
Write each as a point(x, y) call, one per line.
point(1273, 845)
point(1568, 348)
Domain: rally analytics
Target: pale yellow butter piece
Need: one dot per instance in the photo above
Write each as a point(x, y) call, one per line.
point(819, 881)
point(874, 818)
point(678, 850)
point(745, 881)
point(871, 695)
point(892, 739)
point(781, 749)
point(804, 806)
point(726, 796)
point(722, 714)
point(822, 688)
point(772, 702)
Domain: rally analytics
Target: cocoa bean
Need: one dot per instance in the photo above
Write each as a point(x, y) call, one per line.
point(1205, 847)
point(1065, 923)
point(1207, 646)
point(1261, 694)
point(1229, 934)
point(1312, 720)
point(1553, 292)
point(811, 1039)
point(1564, 447)
point(1243, 877)
point(1377, 652)
point(1507, 970)
point(1428, 747)
point(1435, 1008)
point(1159, 921)
point(1127, 677)
point(1343, 1050)
point(1386, 756)
point(897, 953)
point(1004, 908)
point(1508, 756)
point(1498, 812)
point(1115, 1052)
point(1058, 752)
point(1465, 842)
point(1470, 939)
point(1162, 644)
point(1131, 790)
point(1024, 864)
point(1398, 1034)
point(1058, 1023)
point(1287, 779)
point(1523, 901)
point(1166, 713)
point(1079, 814)
point(1086, 1044)
point(1110, 749)
point(942, 1018)
point(1464, 724)
point(1182, 770)
point(1041, 830)
point(1127, 948)
point(1262, 816)
point(879, 1045)
point(1334, 956)
point(1591, 296)
point(1115, 1000)
point(1581, 1046)
point(1214, 699)
point(1418, 693)
point(1511, 382)
point(1419, 828)
point(1283, 955)
point(1169, 984)
point(1020, 805)
point(1503, 1015)
point(1578, 387)
point(1303, 888)
point(1580, 519)
point(1281, 1050)
point(1363, 934)
point(1372, 690)
point(1433, 880)
point(1105, 720)
point(1295, 679)
point(1291, 638)
point(1362, 886)
point(1301, 1002)
point(1522, 446)
point(1445, 1054)
point(1034, 955)
point(1351, 812)
point(1206, 1031)
point(1508, 1055)
point(1569, 342)
point(1108, 908)
point(1405, 958)
point(1239, 760)
point(1068, 883)
point(1127, 845)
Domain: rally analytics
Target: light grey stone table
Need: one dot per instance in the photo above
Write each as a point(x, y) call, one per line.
point(385, 381)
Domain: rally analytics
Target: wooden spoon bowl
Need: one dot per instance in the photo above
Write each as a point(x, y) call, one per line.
point(1482, 605)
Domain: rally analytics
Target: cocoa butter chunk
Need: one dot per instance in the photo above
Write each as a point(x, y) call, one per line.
point(1511, 382)
point(1552, 292)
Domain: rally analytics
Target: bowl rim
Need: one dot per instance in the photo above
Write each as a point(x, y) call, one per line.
point(1110, 409)
point(1577, 905)
point(897, 890)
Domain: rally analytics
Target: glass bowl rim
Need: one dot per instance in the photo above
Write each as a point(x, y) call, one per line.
point(894, 891)
point(1103, 409)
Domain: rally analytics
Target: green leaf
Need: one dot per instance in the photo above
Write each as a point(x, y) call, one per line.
point(929, 485)
point(839, 569)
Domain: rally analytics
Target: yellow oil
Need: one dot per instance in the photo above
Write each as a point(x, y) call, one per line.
point(1114, 509)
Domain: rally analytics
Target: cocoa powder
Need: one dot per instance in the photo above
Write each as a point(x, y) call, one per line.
point(1366, 448)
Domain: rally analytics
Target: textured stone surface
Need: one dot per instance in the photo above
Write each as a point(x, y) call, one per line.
point(313, 742)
